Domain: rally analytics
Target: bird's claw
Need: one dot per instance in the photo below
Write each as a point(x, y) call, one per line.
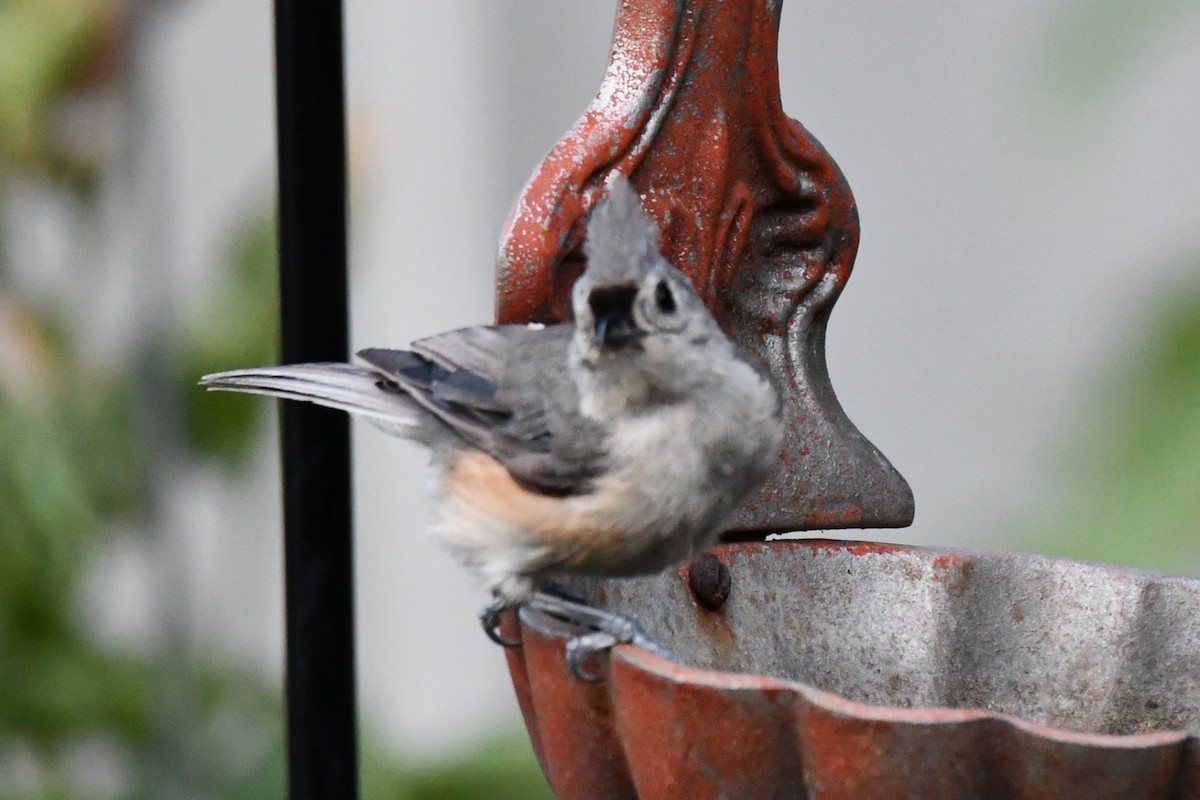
point(607, 631)
point(490, 619)
point(582, 646)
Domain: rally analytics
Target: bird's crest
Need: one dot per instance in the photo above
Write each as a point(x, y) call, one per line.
point(622, 240)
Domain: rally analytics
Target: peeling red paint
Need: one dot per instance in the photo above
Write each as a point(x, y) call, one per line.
point(947, 561)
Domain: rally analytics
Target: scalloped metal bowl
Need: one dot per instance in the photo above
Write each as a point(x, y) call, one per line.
point(855, 670)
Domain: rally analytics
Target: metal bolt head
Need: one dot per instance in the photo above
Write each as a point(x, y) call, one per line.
point(709, 581)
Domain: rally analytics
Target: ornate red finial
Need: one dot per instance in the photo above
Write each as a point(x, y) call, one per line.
point(753, 210)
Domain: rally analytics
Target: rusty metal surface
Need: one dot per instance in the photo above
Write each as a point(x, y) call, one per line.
point(851, 670)
point(753, 210)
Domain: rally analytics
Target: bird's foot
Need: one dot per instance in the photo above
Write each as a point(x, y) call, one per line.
point(490, 619)
point(607, 630)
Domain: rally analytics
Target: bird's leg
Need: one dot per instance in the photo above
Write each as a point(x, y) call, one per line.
point(490, 619)
point(608, 629)
point(556, 589)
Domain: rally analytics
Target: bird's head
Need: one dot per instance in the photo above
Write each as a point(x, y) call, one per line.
point(642, 333)
point(630, 294)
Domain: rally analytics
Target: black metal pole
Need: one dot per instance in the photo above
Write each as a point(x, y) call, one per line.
point(318, 558)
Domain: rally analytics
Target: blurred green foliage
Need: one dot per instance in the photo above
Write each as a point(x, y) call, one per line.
point(1131, 482)
point(1132, 490)
point(69, 468)
point(1093, 46)
point(165, 723)
point(245, 303)
point(68, 462)
point(50, 51)
point(501, 769)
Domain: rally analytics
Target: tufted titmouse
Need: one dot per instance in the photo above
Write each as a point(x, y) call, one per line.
point(614, 446)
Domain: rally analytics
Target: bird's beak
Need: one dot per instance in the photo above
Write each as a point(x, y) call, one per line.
point(612, 310)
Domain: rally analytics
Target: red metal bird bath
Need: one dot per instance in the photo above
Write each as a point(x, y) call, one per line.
point(816, 669)
point(854, 671)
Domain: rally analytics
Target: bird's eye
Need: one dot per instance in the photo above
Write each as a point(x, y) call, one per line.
point(663, 298)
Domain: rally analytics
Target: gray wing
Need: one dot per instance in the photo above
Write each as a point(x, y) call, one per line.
point(506, 390)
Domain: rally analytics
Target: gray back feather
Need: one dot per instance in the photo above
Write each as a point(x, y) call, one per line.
point(506, 389)
point(483, 350)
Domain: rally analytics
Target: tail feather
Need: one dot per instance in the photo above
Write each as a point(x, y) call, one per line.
point(345, 387)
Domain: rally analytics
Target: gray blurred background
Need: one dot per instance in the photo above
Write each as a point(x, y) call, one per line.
point(1021, 335)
